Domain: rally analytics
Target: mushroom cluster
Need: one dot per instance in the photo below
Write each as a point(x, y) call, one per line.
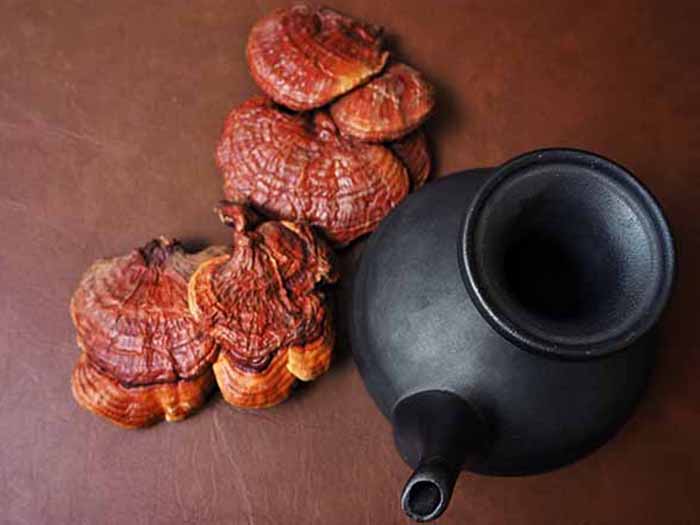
point(331, 147)
point(159, 328)
point(336, 141)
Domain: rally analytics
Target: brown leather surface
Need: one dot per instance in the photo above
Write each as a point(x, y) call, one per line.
point(109, 114)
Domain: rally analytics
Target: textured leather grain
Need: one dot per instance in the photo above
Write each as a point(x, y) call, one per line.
point(109, 116)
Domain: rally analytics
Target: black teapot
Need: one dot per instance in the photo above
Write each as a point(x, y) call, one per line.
point(502, 318)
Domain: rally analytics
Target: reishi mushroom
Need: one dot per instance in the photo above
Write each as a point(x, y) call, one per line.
point(304, 57)
point(413, 152)
point(264, 306)
point(159, 328)
point(298, 167)
point(387, 107)
point(144, 357)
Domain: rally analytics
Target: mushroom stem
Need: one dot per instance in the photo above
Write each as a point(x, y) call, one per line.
point(236, 215)
point(157, 251)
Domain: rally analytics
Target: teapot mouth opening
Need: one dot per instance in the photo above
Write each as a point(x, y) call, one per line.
point(566, 253)
point(423, 500)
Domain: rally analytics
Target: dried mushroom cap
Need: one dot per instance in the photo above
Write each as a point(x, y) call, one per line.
point(252, 388)
point(386, 108)
point(261, 303)
point(309, 361)
point(132, 317)
point(298, 167)
point(260, 387)
point(139, 406)
point(139, 340)
point(413, 152)
point(304, 57)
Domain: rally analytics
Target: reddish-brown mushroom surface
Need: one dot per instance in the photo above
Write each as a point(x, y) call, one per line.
point(298, 167)
point(144, 357)
point(413, 152)
point(304, 57)
point(386, 108)
point(264, 306)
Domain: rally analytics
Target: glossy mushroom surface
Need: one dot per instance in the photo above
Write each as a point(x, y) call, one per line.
point(304, 57)
point(137, 406)
point(263, 303)
point(413, 151)
point(144, 357)
point(298, 167)
point(386, 108)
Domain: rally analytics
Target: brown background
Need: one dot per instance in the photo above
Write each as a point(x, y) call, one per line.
point(109, 112)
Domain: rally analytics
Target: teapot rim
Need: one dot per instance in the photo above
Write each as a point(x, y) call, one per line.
point(574, 346)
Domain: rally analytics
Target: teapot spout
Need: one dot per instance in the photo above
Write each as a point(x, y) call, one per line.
point(428, 491)
point(438, 433)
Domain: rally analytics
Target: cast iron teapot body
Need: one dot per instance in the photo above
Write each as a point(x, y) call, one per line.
point(502, 318)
